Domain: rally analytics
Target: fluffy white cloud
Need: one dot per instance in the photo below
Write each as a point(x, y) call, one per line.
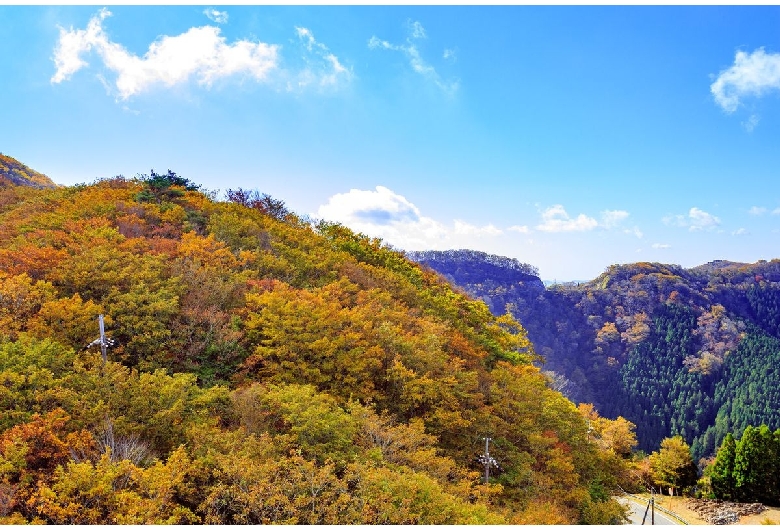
point(220, 17)
point(202, 54)
point(696, 220)
point(418, 64)
point(701, 220)
point(381, 206)
point(752, 74)
point(390, 216)
point(555, 219)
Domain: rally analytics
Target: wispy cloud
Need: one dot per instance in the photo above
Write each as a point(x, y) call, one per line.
point(555, 219)
point(751, 122)
point(696, 220)
point(220, 17)
point(757, 210)
point(416, 32)
point(661, 246)
point(752, 74)
point(612, 218)
point(464, 228)
point(201, 54)
point(520, 229)
point(322, 68)
point(740, 232)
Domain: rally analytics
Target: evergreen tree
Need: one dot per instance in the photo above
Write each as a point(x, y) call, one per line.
point(755, 466)
point(722, 474)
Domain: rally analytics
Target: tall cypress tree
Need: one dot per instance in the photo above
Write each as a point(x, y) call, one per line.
point(755, 466)
point(722, 475)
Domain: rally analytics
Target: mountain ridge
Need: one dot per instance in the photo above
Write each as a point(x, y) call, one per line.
point(601, 339)
point(15, 173)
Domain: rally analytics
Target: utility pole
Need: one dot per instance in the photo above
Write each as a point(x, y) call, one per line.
point(487, 460)
point(103, 339)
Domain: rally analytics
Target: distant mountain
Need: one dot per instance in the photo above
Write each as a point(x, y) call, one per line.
point(14, 173)
point(693, 351)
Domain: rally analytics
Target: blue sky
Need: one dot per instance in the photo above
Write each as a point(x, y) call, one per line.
point(569, 137)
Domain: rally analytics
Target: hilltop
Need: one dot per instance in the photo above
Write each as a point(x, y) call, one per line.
point(14, 173)
point(676, 351)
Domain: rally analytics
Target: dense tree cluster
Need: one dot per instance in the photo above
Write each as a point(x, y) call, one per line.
point(266, 369)
point(676, 351)
point(14, 173)
point(747, 470)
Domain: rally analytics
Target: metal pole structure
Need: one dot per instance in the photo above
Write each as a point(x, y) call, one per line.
point(103, 339)
point(652, 504)
point(646, 510)
point(487, 460)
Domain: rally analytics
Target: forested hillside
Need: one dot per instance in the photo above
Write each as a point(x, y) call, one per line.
point(264, 369)
point(676, 351)
point(14, 173)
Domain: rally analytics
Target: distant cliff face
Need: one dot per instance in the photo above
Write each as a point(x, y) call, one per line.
point(670, 349)
point(14, 173)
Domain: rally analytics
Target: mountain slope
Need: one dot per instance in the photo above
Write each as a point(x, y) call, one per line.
point(263, 369)
point(14, 173)
point(671, 349)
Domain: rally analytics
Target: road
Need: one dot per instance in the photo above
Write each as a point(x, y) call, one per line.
point(638, 511)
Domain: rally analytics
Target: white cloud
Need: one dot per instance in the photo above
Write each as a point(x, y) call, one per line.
point(740, 232)
point(220, 17)
point(612, 218)
point(449, 55)
point(390, 216)
point(555, 219)
point(635, 231)
point(464, 228)
point(519, 229)
point(379, 207)
point(418, 64)
point(776, 211)
point(661, 245)
point(701, 220)
point(696, 220)
point(751, 122)
point(751, 74)
point(201, 54)
point(416, 30)
point(322, 68)
point(757, 210)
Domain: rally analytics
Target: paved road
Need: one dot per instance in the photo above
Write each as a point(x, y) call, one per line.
point(638, 511)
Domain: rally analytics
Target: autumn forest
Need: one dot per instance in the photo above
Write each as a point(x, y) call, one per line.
point(264, 367)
